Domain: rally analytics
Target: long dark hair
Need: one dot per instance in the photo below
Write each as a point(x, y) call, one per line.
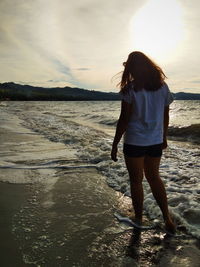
point(143, 72)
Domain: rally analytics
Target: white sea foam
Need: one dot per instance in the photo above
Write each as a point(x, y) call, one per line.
point(80, 129)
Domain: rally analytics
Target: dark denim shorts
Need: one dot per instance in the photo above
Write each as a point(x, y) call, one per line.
point(142, 151)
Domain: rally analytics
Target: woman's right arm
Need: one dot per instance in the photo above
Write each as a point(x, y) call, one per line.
point(126, 110)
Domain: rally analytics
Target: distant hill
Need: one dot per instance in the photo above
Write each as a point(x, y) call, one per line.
point(13, 91)
point(186, 96)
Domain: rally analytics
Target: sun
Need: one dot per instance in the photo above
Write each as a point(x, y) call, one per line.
point(157, 28)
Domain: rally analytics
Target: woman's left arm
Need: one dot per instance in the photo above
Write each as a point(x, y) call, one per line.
point(126, 110)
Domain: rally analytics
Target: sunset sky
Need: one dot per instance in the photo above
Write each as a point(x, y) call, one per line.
point(84, 43)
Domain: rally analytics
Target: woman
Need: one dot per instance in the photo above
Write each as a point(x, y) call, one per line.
point(144, 122)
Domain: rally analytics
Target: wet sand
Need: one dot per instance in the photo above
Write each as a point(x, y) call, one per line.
point(12, 197)
point(58, 211)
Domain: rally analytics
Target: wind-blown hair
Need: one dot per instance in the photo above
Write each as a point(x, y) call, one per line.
point(143, 72)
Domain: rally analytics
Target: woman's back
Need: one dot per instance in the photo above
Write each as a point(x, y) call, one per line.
point(146, 123)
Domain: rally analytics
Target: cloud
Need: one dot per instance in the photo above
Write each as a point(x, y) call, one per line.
point(80, 43)
point(195, 81)
point(62, 68)
point(83, 69)
point(51, 40)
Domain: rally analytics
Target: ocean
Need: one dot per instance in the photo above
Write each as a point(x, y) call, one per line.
point(87, 128)
point(59, 188)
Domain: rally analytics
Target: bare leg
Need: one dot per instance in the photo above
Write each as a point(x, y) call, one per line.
point(135, 168)
point(151, 168)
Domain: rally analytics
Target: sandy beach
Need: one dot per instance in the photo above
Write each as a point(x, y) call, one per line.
point(57, 210)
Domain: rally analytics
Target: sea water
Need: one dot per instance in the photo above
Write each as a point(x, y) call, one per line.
point(88, 127)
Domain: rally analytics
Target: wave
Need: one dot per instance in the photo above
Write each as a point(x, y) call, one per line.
point(189, 133)
point(179, 166)
point(109, 122)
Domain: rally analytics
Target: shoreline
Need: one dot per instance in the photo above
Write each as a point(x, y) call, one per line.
point(53, 211)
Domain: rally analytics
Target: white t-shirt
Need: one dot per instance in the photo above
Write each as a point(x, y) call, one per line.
point(145, 127)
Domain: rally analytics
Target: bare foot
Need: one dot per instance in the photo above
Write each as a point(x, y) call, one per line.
point(170, 227)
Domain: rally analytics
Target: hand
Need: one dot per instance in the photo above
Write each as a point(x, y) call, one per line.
point(114, 153)
point(164, 144)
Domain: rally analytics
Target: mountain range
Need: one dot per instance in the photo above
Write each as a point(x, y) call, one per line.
point(14, 91)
